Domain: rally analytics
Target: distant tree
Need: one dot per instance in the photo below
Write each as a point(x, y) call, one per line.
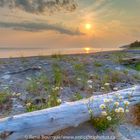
point(135, 44)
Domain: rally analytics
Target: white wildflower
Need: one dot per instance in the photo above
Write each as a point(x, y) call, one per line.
point(13, 94)
point(102, 106)
point(117, 110)
point(90, 111)
point(55, 88)
point(59, 101)
point(126, 103)
point(90, 86)
point(120, 109)
point(102, 88)
point(106, 100)
point(134, 88)
point(109, 118)
point(107, 84)
point(120, 97)
point(127, 110)
point(89, 81)
point(18, 94)
point(28, 104)
point(115, 88)
point(104, 113)
point(116, 103)
point(61, 88)
point(38, 83)
point(117, 94)
point(110, 100)
point(78, 79)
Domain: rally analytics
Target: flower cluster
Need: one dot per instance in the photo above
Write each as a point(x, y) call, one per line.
point(117, 108)
point(59, 101)
point(57, 88)
point(107, 86)
point(16, 94)
point(90, 84)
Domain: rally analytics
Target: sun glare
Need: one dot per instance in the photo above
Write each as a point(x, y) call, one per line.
point(87, 49)
point(88, 26)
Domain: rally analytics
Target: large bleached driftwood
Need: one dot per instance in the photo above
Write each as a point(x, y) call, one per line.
point(48, 121)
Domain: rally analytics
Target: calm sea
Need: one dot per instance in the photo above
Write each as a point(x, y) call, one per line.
point(23, 52)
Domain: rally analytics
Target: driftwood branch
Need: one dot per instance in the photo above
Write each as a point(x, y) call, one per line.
point(25, 70)
point(131, 60)
point(71, 114)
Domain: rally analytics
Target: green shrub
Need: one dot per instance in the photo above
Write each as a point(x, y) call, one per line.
point(5, 100)
point(38, 84)
point(51, 101)
point(81, 75)
point(97, 64)
point(57, 75)
point(77, 96)
point(137, 66)
point(58, 56)
point(42, 85)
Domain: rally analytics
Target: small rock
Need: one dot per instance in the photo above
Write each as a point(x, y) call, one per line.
point(118, 68)
point(28, 78)
point(6, 77)
point(11, 81)
point(115, 88)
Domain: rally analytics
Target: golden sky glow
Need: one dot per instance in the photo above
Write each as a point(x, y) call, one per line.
point(98, 23)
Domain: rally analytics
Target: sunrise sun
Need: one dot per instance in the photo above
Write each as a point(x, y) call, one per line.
point(88, 26)
point(87, 49)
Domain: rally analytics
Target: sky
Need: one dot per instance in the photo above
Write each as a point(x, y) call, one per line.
point(33, 24)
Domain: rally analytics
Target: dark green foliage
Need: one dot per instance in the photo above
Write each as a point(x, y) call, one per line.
point(134, 45)
point(5, 100)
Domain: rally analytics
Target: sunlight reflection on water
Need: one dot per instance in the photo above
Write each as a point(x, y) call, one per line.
point(6, 53)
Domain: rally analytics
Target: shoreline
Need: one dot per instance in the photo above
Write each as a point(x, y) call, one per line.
point(13, 53)
point(73, 54)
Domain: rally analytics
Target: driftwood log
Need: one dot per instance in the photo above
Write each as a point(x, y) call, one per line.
point(71, 114)
point(131, 60)
point(33, 68)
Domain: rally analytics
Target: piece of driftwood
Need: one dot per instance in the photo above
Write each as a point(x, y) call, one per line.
point(131, 60)
point(70, 114)
point(33, 68)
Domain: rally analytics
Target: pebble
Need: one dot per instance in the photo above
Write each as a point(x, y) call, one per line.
point(6, 77)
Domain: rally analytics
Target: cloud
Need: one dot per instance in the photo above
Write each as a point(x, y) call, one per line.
point(28, 26)
point(39, 6)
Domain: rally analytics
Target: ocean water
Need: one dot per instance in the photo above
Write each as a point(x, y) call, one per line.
point(25, 52)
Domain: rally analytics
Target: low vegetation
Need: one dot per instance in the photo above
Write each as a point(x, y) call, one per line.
point(58, 56)
point(119, 56)
point(50, 100)
point(47, 89)
point(38, 84)
point(77, 96)
point(5, 100)
point(110, 117)
point(97, 64)
point(135, 66)
point(79, 77)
